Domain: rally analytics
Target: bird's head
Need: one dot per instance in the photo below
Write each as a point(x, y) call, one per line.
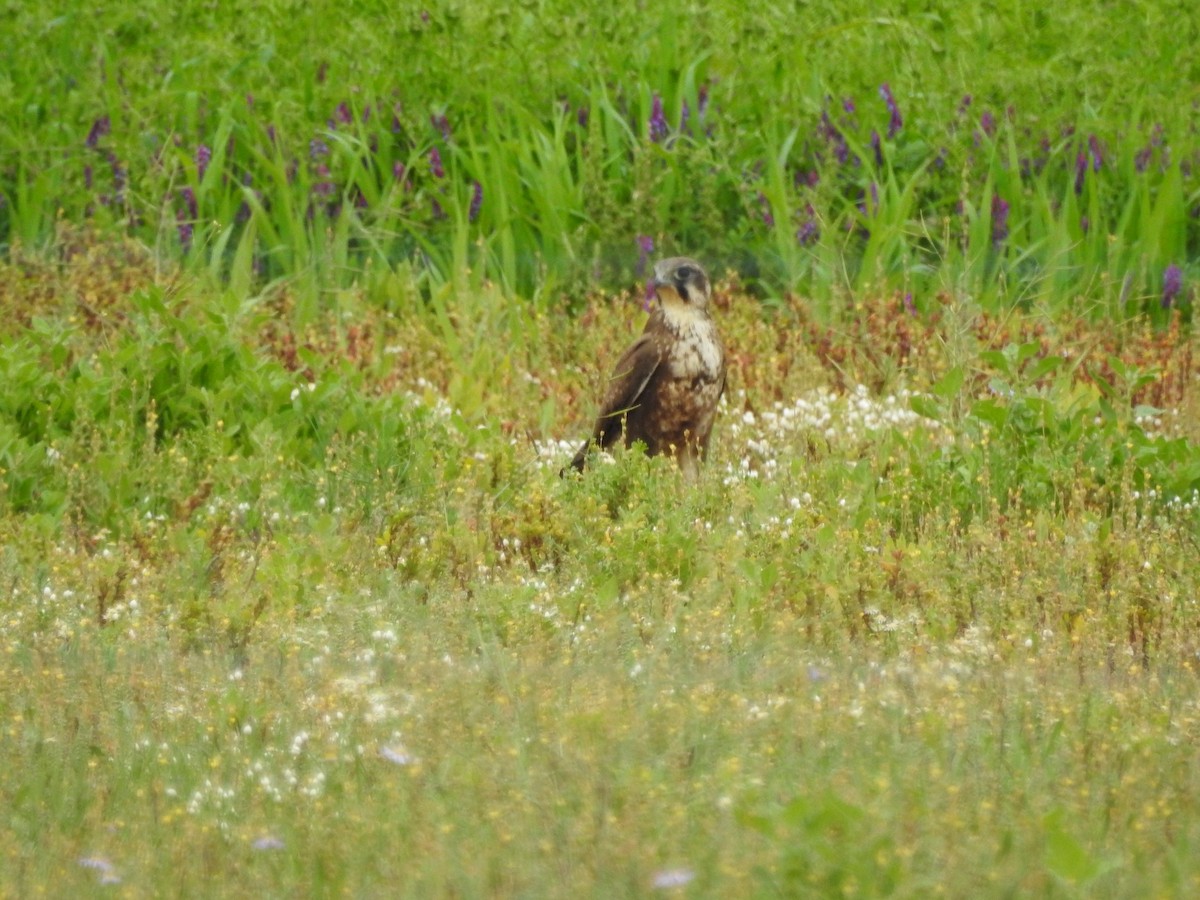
point(681, 286)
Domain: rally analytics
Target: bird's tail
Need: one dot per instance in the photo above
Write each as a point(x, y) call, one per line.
point(579, 462)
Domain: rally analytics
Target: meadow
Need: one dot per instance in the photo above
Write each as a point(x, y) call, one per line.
point(303, 308)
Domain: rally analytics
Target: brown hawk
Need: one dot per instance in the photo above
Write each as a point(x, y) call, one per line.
point(664, 390)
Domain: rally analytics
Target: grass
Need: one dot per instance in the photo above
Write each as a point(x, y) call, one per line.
point(296, 603)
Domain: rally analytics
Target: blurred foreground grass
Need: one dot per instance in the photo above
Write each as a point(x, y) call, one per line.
point(311, 612)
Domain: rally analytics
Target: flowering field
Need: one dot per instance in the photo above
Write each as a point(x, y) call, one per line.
point(303, 310)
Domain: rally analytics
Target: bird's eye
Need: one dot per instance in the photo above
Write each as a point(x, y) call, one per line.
point(684, 273)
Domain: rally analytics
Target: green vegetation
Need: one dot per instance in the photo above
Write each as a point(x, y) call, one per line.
point(295, 602)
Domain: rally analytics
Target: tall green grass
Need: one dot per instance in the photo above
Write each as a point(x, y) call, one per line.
point(547, 116)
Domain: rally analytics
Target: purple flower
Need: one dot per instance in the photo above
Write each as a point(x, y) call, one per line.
point(87, 177)
point(877, 146)
point(1096, 152)
point(767, 216)
point(668, 879)
point(324, 186)
point(188, 196)
point(988, 122)
point(909, 306)
point(317, 148)
point(435, 163)
point(1172, 285)
point(848, 105)
point(119, 177)
point(476, 202)
point(964, 104)
point(442, 124)
point(398, 170)
point(185, 234)
point(100, 128)
point(833, 137)
point(1141, 160)
point(203, 158)
point(645, 248)
point(582, 117)
point(342, 114)
point(809, 232)
point(999, 220)
point(896, 121)
point(1081, 167)
point(684, 115)
point(658, 121)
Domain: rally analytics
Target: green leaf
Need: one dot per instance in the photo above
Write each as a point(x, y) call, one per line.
point(1066, 857)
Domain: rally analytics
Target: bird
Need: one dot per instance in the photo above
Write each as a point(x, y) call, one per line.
point(665, 388)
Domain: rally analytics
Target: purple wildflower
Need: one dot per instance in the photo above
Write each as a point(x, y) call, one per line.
point(645, 248)
point(87, 177)
point(1141, 160)
point(767, 216)
point(119, 175)
point(1172, 285)
point(669, 879)
point(442, 124)
point(582, 117)
point(999, 220)
point(658, 121)
point(964, 104)
point(809, 232)
point(102, 127)
point(188, 196)
point(848, 105)
point(909, 306)
point(398, 170)
point(1081, 167)
point(684, 115)
point(1096, 152)
point(435, 163)
point(185, 230)
point(833, 137)
point(324, 186)
point(342, 114)
point(203, 158)
point(988, 123)
point(877, 146)
point(317, 148)
point(895, 121)
point(476, 202)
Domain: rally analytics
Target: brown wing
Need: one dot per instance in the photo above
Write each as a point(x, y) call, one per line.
point(629, 379)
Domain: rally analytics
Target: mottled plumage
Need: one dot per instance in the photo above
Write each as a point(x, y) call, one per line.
point(665, 388)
